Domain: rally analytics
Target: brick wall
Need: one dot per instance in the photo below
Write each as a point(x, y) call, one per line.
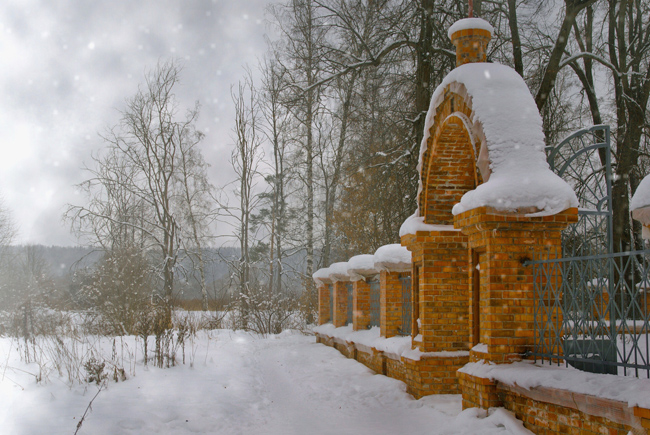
point(507, 297)
point(439, 294)
point(550, 411)
point(423, 377)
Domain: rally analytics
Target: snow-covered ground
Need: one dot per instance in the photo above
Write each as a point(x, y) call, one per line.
point(237, 384)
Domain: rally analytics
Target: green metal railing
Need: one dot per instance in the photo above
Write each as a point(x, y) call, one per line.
point(592, 312)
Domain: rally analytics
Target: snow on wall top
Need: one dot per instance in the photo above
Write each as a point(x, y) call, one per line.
point(414, 223)
point(470, 23)
point(339, 271)
point(361, 266)
point(520, 176)
point(641, 197)
point(527, 375)
point(394, 258)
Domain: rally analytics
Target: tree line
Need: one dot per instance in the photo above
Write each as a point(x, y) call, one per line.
point(345, 87)
point(327, 130)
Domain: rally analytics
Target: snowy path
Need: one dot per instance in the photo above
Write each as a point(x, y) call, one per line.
point(240, 384)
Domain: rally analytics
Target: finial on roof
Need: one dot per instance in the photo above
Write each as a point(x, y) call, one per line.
point(471, 8)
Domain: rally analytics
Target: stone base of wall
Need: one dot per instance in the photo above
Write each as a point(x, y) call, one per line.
point(423, 377)
point(551, 411)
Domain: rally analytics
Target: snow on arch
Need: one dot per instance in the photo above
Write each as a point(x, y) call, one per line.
point(503, 107)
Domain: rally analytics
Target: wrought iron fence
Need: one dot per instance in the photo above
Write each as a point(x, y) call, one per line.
point(405, 280)
point(593, 312)
point(584, 161)
point(374, 303)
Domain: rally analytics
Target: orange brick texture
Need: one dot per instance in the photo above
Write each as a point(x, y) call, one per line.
point(390, 304)
point(439, 294)
point(449, 168)
point(340, 295)
point(551, 411)
point(471, 45)
point(324, 315)
point(361, 305)
point(507, 297)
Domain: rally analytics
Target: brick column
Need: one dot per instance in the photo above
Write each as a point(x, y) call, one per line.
point(324, 315)
point(361, 302)
point(506, 294)
point(439, 291)
point(390, 300)
point(340, 293)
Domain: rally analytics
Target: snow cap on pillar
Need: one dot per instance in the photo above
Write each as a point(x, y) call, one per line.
point(471, 37)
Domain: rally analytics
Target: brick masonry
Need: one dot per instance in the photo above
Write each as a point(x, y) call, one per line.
point(423, 377)
point(471, 45)
point(390, 304)
point(340, 295)
point(506, 292)
point(550, 411)
point(324, 315)
point(361, 303)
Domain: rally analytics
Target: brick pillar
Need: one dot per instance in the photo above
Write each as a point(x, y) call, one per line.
point(506, 295)
point(361, 302)
point(324, 315)
point(471, 45)
point(439, 292)
point(390, 300)
point(340, 294)
point(323, 304)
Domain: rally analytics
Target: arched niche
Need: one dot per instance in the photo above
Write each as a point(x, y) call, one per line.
point(455, 160)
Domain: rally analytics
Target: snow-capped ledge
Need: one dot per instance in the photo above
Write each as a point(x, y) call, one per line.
point(398, 346)
point(504, 108)
point(526, 374)
point(415, 223)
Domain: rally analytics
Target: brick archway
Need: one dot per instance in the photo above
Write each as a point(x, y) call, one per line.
point(454, 154)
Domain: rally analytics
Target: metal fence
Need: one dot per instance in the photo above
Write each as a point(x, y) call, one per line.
point(374, 303)
point(406, 305)
point(592, 312)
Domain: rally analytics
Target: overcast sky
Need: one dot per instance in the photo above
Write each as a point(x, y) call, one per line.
point(67, 67)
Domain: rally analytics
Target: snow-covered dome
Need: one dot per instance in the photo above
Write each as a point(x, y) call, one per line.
point(516, 175)
point(394, 258)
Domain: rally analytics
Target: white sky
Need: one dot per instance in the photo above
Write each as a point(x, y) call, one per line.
point(67, 68)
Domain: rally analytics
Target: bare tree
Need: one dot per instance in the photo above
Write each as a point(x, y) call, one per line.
point(245, 160)
point(136, 187)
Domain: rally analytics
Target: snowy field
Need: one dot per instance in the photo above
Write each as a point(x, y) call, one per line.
point(237, 384)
